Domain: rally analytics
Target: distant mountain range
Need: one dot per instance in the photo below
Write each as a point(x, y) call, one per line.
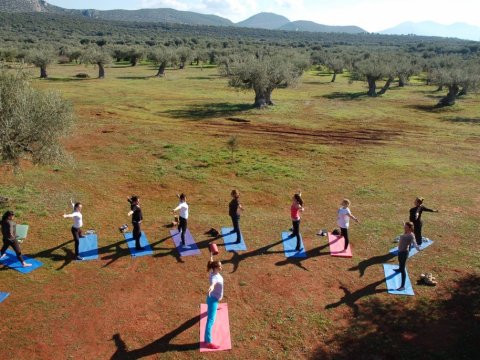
point(263, 20)
point(428, 28)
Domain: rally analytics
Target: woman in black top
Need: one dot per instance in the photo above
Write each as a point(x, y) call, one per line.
point(137, 218)
point(9, 236)
point(234, 209)
point(416, 218)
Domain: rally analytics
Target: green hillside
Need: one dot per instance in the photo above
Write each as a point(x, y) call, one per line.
point(314, 27)
point(264, 20)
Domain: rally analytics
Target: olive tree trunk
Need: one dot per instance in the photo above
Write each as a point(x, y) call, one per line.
point(263, 98)
point(386, 86)
point(43, 72)
point(372, 86)
point(401, 81)
point(161, 70)
point(101, 71)
point(451, 97)
point(334, 76)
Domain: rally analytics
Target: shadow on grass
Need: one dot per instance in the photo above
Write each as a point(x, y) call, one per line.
point(345, 95)
point(463, 120)
point(136, 77)
point(376, 260)
point(436, 328)
point(70, 79)
point(162, 345)
point(205, 111)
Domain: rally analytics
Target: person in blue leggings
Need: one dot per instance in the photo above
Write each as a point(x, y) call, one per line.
point(214, 296)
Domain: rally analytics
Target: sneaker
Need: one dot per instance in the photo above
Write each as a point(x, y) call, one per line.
point(79, 258)
point(3, 256)
point(401, 288)
point(213, 346)
point(26, 265)
point(185, 246)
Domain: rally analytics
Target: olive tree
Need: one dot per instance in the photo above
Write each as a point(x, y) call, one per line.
point(97, 57)
point(372, 68)
point(32, 122)
point(184, 54)
point(160, 57)
point(41, 59)
point(334, 62)
point(265, 73)
point(135, 54)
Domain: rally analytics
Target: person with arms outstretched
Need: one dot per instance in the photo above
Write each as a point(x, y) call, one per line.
point(77, 217)
point(343, 220)
point(416, 218)
point(182, 209)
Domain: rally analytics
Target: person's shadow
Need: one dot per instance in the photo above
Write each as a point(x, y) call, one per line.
point(162, 345)
point(350, 298)
point(376, 260)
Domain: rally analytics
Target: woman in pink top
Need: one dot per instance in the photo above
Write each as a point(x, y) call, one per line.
point(295, 210)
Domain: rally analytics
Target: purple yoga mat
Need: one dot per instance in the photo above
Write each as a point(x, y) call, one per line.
point(192, 248)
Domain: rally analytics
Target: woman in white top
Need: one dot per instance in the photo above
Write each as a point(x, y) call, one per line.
point(77, 226)
point(343, 220)
point(215, 295)
point(182, 209)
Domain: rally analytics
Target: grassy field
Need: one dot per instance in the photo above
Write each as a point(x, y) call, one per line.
point(136, 134)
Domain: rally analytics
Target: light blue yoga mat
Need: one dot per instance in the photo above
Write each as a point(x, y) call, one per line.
point(147, 250)
point(230, 238)
point(289, 244)
point(425, 243)
point(88, 248)
point(12, 262)
point(3, 296)
point(394, 280)
point(191, 248)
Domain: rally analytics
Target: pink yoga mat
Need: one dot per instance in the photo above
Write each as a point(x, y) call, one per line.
point(337, 243)
point(221, 328)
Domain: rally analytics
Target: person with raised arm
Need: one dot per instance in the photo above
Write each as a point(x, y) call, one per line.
point(343, 220)
point(416, 217)
point(214, 296)
point(182, 209)
point(137, 218)
point(77, 217)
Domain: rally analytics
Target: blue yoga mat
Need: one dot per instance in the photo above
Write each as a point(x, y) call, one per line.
point(147, 250)
point(230, 238)
point(88, 248)
point(289, 244)
point(12, 262)
point(3, 296)
point(425, 243)
point(394, 280)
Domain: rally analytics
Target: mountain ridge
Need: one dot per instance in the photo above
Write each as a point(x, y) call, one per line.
point(431, 28)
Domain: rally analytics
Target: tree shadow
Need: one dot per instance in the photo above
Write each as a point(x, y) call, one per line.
point(345, 95)
point(72, 79)
point(394, 329)
point(463, 120)
point(162, 345)
point(135, 77)
point(376, 260)
point(350, 298)
point(205, 111)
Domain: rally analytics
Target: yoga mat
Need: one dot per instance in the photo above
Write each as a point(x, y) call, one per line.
point(147, 250)
point(220, 331)
point(289, 244)
point(425, 243)
point(192, 248)
point(88, 248)
point(230, 238)
point(394, 280)
point(12, 262)
point(337, 245)
point(3, 296)
point(22, 231)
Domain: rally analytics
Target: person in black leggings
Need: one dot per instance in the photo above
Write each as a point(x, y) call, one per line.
point(182, 208)
point(416, 218)
point(406, 240)
point(295, 210)
point(9, 236)
point(137, 218)
point(234, 208)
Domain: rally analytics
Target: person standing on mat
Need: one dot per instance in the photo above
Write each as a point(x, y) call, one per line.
point(416, 218)
point(77, 217)
point(234, 209)
point(295, 210)
point(9, 236)
point(214, 296)
point(343, 220)
point(182, 208)
point(406, 240)
point(137, 218)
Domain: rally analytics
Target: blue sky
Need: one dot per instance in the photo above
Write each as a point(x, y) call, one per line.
point(372, 15)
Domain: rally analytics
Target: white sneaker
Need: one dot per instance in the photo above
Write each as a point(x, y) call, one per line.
point(3, 256)
point(26, 265)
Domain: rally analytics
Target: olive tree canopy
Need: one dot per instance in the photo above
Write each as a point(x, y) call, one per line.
point(32, 122)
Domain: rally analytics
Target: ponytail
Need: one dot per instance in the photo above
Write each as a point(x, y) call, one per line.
point(6, 215)
point(298, 198)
